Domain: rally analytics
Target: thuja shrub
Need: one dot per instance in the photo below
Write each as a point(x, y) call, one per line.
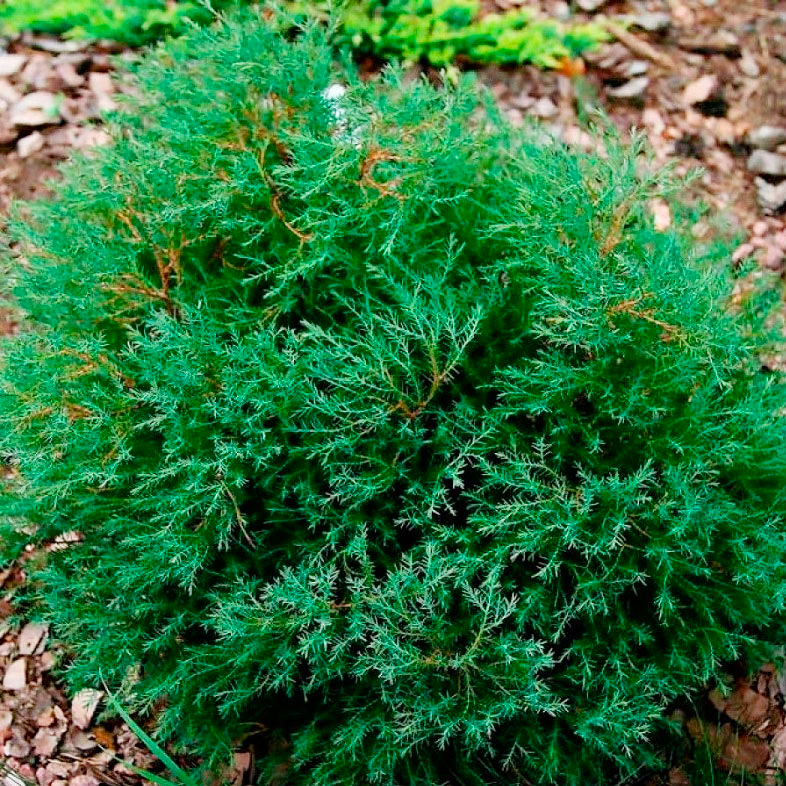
point(351, 419)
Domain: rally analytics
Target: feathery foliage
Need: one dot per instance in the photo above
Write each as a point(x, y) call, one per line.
point(359, 420)
point(132, 22)
point(439, 31)
point(433, 30)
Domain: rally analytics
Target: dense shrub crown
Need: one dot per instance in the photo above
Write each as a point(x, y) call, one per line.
point(389, 428)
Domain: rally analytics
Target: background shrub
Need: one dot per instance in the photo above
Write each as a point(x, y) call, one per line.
point(370, 425)
point(431, 30)
point(132, 22)
point(439, 31)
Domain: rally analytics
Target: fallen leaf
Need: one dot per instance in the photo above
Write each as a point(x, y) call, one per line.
point(778, 749)
point(745, 753)
point(747, 707)
point(700, 89)
point(717, 699)
point(46, 718)
point(84, 780)
point(15, 677)
point(742, 252)
point(45, 743)
point(31, 636)
point(104, 737)
point(17, 746)
point(82, 740)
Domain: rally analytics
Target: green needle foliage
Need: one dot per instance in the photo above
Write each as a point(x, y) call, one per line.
point(132, 22)
point(434, 30)
point(439, 31)
point(371, 426)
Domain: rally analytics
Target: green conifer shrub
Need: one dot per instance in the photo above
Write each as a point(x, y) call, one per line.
point(132, 22)
point(440, 31)
point(359, 422)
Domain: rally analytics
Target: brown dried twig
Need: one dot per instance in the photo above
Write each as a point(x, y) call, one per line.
point(637, 45)
point(647, 314)
point(367, 173)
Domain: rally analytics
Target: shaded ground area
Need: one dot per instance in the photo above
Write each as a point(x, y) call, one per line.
point(704, 79)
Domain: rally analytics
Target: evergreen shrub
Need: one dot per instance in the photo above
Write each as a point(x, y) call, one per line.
point(132, 22)
point(353, 420)
point(437, 31)
point(440, 31)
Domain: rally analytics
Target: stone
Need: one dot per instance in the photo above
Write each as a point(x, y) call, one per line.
point(522, 101)
point(544, 107)
point(11, 64)
point(102, 83)
point(39, 108)
point(636, 68)
point(15, 677)
point(561, 10)
point(661, 215)
point(771, 198)
point(722, 129)
point(84, 706)
point(33, 633)
point(767, 137)
point(43, 777)
point(590, 5)
point(749, 66)
point(634, 89)
point(762, 162)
